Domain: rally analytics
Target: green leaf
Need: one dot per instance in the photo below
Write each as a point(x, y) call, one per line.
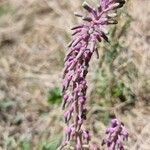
point(118, 90)
point(4, 9)
point(54, 96)
point(6, 104)
point(52, 145)
point(25, 144)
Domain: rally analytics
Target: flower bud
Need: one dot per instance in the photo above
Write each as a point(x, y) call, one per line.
point(86, 6)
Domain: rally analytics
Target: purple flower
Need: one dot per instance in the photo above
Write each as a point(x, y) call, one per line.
point(85, 38)
point(116, 134)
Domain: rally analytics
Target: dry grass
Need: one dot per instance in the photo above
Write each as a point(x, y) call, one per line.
point(33, 39)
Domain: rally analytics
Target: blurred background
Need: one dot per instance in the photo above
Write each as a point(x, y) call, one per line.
point(33, 39)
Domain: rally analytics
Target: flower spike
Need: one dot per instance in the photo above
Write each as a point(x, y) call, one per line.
point(80, 50)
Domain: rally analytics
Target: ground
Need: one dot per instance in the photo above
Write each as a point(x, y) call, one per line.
point(33, 39)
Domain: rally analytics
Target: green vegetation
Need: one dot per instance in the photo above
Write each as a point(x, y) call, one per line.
point(111, 88)
point(4, 9)
point(51, 145)
point(25, 145)
point(54, 96)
